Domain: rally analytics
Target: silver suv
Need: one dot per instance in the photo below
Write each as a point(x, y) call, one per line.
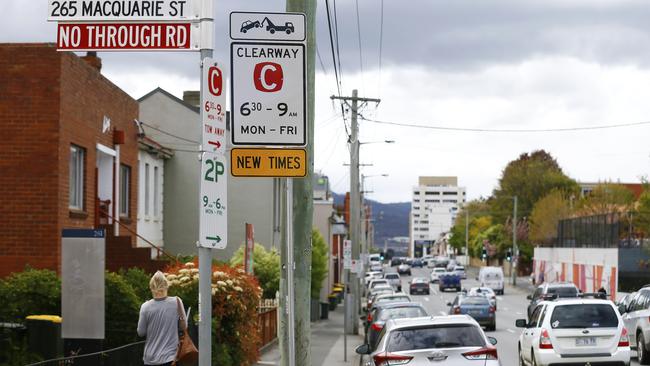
point(444, 340)
point(637, 322)
point(394, 280)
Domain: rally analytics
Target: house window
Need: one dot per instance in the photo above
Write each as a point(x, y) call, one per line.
point(77, 158)
point(147, 188)
point(449, 193)
point(125, 186)
point(156, 205)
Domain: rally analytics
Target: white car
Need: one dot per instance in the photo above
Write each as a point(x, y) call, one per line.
point(491, 277)
point(576, 332)
point(436, 273)
point(637, 323)
point(454, 340)
point(394, 280)
point(376, 267)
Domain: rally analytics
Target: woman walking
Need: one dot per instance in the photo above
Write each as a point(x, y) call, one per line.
point(160, 320)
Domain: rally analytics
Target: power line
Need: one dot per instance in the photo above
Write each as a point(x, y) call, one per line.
point(381, 43)
point(534, 130)
point(336, 68)
point(168, 133)
point(338, 50)
point(320, 61)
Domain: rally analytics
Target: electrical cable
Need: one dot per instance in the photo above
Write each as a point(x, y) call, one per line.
point(359, 38)
point(534, 130)
point(381, 44)
point(336, 70)
point(168, 133)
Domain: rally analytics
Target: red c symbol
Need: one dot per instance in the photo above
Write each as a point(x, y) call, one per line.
point(268, 77)
point(215, 81)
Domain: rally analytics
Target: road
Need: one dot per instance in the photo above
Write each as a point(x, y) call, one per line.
point(510, 306)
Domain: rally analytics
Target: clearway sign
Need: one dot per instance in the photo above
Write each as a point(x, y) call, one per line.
point(267, 26)
point(122, 10)
point(213, 107)
point(268, 94)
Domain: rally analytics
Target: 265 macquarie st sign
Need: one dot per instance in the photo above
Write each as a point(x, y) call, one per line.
point(122, 10)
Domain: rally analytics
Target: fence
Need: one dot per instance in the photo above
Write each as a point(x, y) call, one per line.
point(267, 320)
point(612, 230)
point(127, 355)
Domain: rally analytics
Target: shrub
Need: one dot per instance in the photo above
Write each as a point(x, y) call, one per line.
point(319, 257)
point(31, 292)
point(122, 309)
point(235, 297)
point(138, 279)
point(266, 268)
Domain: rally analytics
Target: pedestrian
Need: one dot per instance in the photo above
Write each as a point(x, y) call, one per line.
point(161, 319)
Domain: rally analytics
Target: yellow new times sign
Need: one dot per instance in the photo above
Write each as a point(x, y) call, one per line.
point(262, 162)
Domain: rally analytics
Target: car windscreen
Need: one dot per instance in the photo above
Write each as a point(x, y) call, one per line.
point(493, 276)
point(393, 299)
point(377, 283)
point(392, 276)
point(441, 336)
point(563, 291)
point(475, 300)
point(400, 313)
point(584, 316)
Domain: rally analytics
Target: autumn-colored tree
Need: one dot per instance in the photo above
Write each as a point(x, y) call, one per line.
point(479, 219)
point(607, 198)
point(642, 214)
point(546, 214)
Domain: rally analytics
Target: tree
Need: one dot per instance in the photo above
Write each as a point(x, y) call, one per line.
point(642, 214)
point(546, 215)
point(494, 237)
point(530, 177)
point(475, 209)
point(607, 198)
point(266, 267)
point(319, 262)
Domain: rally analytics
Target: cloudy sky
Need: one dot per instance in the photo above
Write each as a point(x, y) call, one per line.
point(489, 64)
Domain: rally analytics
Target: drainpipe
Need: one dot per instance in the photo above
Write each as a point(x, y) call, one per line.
point(118, 139)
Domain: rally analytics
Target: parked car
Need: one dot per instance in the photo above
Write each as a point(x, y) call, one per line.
point(436, 273)
point(384, 312)
point(623, 304)
point(441, 261)
point(394, 280)
point(376, 282)
point(460, 270)
point(478, 307)
point(419, 285)
point(417, 262)
point(449, 280)
point(404, 269)
point(546, 290)
point(575, 331)
point(371, 275)
point(379, 290)
point(484, 291)
point(450, 266)
point(389, 298)
point(491, 277)
point(439, 340)
point(637, 322)
point(378, 267)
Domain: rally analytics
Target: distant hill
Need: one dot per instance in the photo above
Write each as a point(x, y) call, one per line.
point(391, 219)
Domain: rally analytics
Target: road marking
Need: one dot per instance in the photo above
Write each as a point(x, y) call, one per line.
point(520, 313)
point(443, 313)
point(504, 309)
point(499, 298)
point(426, 299)
point(510, 330)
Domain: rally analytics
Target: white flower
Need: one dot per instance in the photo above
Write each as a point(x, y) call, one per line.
point(229, 282)
point(237, 288)
point(184, 271)
point(240, 270)
point(221, 283)
point(219, 274)
point(214, 291)
point(189, 264)
point(194, 270)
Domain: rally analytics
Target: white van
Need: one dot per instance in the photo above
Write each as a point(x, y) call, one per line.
point(493, 278)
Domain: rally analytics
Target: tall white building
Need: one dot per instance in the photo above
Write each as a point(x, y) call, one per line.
point(433, 210)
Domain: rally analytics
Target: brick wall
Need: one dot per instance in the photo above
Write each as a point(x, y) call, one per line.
point(29, 104)
point(49, 100)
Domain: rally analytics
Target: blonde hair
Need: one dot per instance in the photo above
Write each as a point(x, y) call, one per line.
point(158, 284)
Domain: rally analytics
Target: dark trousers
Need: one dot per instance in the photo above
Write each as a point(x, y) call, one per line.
point(162, 364)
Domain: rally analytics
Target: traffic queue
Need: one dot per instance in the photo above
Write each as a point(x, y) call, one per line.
point(563, 326)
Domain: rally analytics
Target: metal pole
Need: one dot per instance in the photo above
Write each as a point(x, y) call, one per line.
point(467, 236)
point(355, 212)
point(205, 254)
point(513, 264)
point(291, 265)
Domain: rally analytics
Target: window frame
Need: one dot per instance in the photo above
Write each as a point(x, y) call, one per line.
point(125, 192)
point(156, 192)
point(79, 175)
point(147, 188)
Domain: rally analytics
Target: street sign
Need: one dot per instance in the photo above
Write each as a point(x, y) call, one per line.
point(347, 254)
point(213, 220)
point(123, 10)
point(213, 106)
point(149, 36)
point(267, 26)
point(356, 266)
point(268, 93)
point(260, 162)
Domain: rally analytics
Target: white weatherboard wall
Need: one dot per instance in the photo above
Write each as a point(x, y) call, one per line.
point(150, 224)
point(587, 268)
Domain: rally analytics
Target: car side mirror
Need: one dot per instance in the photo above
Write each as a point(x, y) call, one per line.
point(448, 304)
point(529, 297)
point(477, 278)
point(493, 341)
point(363, 349)
point(362, 317)
point(521, 323)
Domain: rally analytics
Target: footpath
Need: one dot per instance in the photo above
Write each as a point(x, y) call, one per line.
point(326, 343)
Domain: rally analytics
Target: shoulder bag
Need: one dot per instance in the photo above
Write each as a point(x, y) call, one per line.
point(187, 352)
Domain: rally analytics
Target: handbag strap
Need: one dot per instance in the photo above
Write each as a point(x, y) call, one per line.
point(181, 314)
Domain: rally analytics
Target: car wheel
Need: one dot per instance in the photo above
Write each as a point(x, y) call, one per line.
point(533, 362)
point(641, 351)
point(521, 358)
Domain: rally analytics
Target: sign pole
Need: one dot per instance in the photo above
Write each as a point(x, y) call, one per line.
point(205, 254)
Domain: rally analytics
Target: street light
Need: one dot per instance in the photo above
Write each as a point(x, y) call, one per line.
point(378, 142)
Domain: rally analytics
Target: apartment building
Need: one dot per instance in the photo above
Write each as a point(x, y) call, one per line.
point(434, 206)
